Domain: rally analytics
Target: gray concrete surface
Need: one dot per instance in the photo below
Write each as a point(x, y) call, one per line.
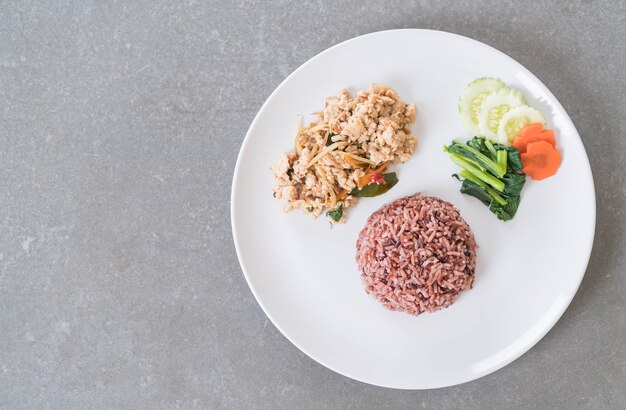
point(120, 123)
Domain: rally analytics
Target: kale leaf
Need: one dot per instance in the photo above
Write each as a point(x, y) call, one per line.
point(485, 175)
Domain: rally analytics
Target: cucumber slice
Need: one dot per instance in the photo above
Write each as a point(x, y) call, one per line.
point(514, 120)
point(493, 109)
point(472, 97)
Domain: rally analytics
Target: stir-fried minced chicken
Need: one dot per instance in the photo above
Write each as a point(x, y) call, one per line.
point(348, 142)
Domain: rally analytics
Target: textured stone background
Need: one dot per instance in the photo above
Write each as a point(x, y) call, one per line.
point(120, 124)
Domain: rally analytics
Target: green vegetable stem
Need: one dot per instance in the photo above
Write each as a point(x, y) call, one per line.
point(491, 173)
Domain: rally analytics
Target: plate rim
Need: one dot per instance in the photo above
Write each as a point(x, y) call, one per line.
point(539, 335)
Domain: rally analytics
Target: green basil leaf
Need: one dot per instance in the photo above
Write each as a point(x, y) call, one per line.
point(329, 141)
point(373, 189)
point(336, 214)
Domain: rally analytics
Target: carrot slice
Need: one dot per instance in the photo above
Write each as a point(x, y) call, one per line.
point(366, 179)
point(531, 128)
point(541, 160)
point(532, 133)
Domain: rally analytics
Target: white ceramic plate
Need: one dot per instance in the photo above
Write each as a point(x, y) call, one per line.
point(303, 273)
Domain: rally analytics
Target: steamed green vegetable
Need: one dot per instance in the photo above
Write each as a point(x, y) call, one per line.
point(491, 172)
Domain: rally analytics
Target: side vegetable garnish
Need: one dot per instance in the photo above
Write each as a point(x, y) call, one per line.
point(531, 133)
point(488, 107)
point(491, 172)
point(513, 121)
point(540, 157)
point(495, 107)
point(472, 98)
point(541, 160)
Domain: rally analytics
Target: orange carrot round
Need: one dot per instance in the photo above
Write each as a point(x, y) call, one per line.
point(541, 160)
point(533, 128)
point(532, 133)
